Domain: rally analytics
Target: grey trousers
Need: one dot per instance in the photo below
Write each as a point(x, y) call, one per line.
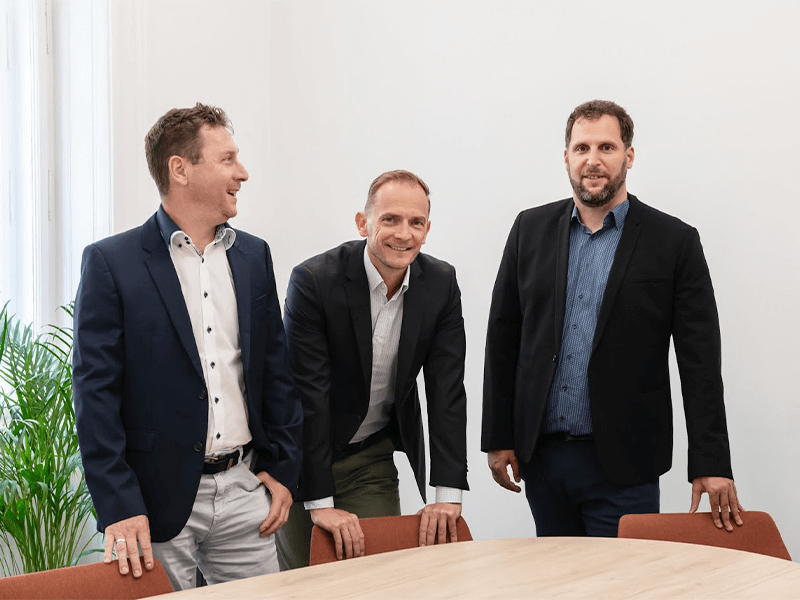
point(221, 536)
point(366, 485)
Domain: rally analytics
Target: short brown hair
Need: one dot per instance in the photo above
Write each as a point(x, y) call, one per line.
point(396, 175)
point(594, 109)
point(177, 133)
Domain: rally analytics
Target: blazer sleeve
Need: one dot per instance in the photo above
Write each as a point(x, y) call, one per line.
point(446, 396)
point(281, 409)
point(502, 351)
point(98, 375)
point(309, 353)
point(695, 331)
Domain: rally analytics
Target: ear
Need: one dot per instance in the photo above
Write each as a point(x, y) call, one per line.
point(427, 231)
point(177, 170)
point(361, 224)
point(566, 159)
point(630, 154)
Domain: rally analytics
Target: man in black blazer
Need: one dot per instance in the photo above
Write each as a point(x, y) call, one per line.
point(362, 319)
point(188, 421)
point(576, 389)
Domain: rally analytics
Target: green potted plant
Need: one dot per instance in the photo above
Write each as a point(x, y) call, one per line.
point(44, 502)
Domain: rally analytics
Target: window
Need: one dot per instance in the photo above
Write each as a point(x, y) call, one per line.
point(55, 137)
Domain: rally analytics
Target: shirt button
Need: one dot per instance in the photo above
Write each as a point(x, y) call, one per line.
point(202, 260)
point(198, 446)
point(218, 436)
point(212, 365)
point(580, 296)
point(208, 329)
point(574, 326)
point(216, 400)
point(205, 294)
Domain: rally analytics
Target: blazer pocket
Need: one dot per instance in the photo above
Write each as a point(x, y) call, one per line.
point(260, 302)
point(140, 440)
point(646, 280)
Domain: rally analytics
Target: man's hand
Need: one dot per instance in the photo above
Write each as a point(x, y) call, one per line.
point(721, 496)
point(499, 461)
point(124, 536)
point(281, 503)
point(348, 538)
point(439, 516)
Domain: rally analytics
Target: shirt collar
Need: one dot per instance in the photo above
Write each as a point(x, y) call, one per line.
point(169, 229)
point(374, 278)
point(615, 219)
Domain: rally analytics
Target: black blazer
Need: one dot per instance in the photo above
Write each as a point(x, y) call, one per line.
point(328, 325)
point(659, 287)
point(141, 403)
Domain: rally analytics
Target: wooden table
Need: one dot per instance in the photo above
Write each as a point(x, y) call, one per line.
point(530, 568)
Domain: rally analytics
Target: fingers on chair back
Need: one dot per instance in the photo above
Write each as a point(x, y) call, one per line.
point(758, 534)
point(86, 582)
point(381, 534)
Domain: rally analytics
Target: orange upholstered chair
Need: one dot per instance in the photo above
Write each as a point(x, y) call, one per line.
point(86, 582)
point(381, 534)
point(758, 534)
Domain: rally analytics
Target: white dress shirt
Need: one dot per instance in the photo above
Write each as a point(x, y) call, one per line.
point(387, 321)
point(208, 290)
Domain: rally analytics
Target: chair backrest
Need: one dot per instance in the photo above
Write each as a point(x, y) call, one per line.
point(381, 534)
point(758, 534)
point(86, 582)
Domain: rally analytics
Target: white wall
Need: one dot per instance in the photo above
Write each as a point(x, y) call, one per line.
point(473, 96)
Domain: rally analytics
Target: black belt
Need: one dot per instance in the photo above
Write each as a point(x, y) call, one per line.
point(565, 436)
point(223, 462)
point(370, 440)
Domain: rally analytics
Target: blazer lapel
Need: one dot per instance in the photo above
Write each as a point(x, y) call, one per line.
point(627, 244)
point(357, 290)
point(409, 330)
point(166, 280)
point(562, 268)
point(241, 284)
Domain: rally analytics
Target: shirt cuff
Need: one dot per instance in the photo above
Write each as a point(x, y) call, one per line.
point(448, 494)
point(321, 503)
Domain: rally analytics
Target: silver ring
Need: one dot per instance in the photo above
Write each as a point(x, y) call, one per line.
point(120, 540)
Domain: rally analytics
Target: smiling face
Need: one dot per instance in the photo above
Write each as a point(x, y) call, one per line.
point(214, 181)
point(597, 162)
point(396, 228)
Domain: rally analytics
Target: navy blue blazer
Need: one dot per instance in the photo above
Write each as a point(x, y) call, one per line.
point(659, 288)
point(141, 403)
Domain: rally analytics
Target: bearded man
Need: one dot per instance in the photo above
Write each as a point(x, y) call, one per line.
point(576, 386)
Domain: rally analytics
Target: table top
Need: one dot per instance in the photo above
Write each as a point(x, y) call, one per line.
point(530, 568)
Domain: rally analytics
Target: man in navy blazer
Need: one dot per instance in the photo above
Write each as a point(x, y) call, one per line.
point(576, 390)
point(189, 425)
point(362, 320)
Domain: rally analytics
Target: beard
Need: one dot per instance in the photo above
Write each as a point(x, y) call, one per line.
point(602, 196)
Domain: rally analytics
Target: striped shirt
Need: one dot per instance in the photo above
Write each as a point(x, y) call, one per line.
point(387, 319)
point(590, 258)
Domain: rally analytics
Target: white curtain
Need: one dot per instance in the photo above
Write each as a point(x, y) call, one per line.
point(54, 149)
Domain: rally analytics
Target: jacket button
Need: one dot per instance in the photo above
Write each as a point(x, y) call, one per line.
point(555, 358)
point(202, 395)
point(198, 446)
